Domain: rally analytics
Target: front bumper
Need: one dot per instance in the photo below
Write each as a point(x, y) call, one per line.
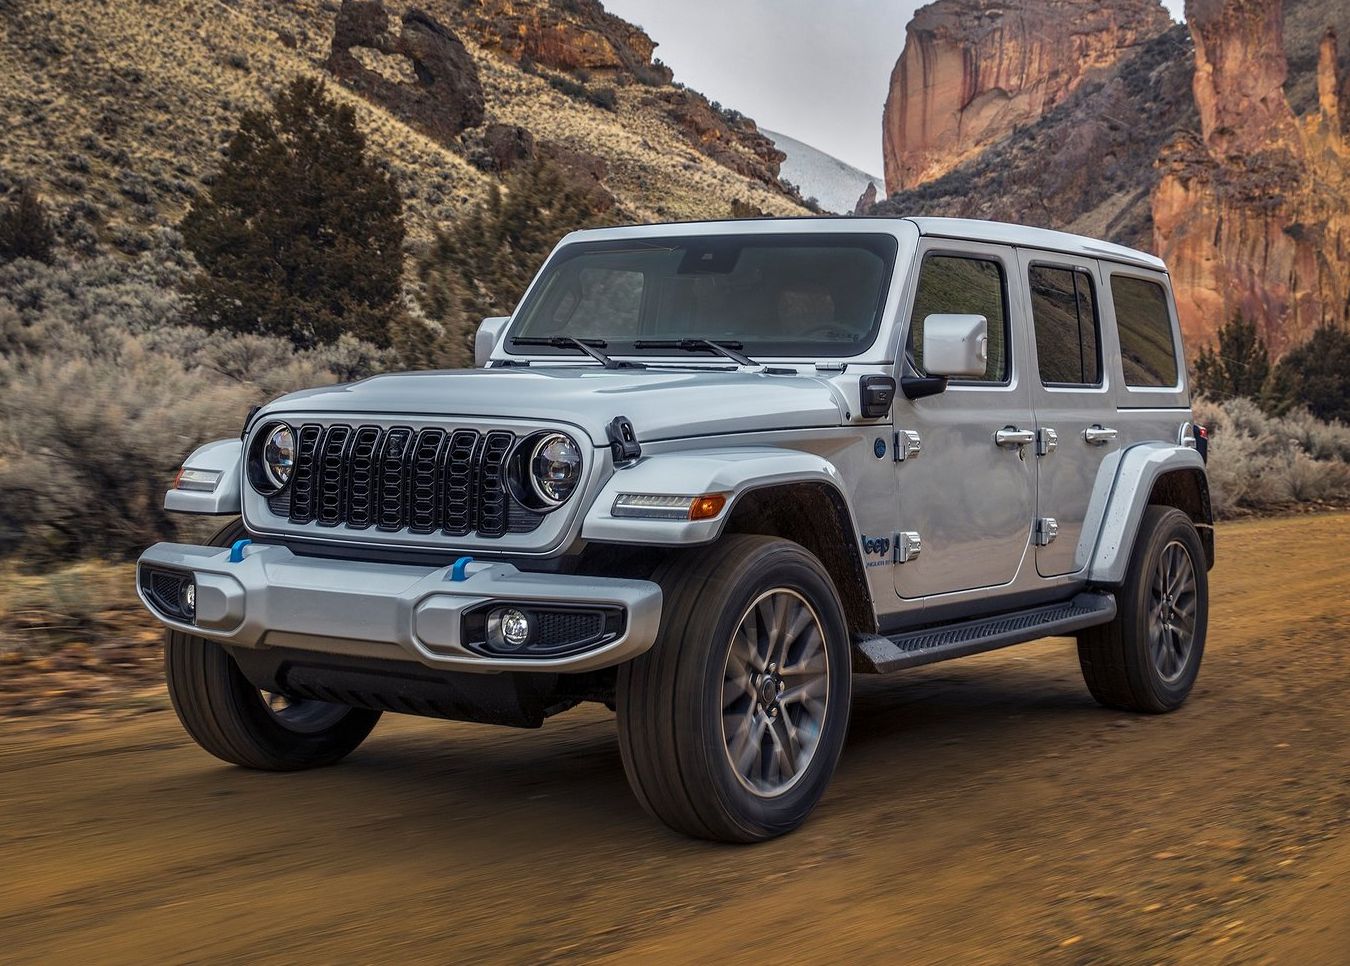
point(273, 598)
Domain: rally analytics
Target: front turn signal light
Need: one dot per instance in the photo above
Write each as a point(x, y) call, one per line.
point(707, 506)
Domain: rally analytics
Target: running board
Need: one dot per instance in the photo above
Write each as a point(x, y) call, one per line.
point(881, 655)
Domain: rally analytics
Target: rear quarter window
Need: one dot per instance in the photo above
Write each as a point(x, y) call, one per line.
point(1147, 350)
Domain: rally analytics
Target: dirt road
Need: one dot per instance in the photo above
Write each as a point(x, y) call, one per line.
point(985, 810)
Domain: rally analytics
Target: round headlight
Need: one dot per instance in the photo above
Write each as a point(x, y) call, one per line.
point(555, 468)
point(278, 455)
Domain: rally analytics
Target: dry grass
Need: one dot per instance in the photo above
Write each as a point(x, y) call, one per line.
point(118, 110)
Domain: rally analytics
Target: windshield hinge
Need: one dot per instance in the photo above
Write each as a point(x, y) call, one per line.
point(623, 441)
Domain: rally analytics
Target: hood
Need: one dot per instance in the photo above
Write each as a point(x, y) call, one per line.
point(662, 403)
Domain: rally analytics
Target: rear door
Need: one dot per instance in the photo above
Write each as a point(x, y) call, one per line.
point(1072, 396)
point(968, 497)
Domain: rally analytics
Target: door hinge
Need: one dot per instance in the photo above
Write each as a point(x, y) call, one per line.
point(1047, 528)
point(907, 445)
point(908, 545)
point(1046, 441)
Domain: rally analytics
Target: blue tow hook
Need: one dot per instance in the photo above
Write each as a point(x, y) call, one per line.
point(237, 550)
point(458, 570)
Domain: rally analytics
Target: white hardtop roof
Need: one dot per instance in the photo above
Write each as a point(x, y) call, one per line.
point(964, 229)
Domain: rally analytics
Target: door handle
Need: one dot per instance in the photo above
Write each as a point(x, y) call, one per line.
point(1010, 437)
point(1099, 435)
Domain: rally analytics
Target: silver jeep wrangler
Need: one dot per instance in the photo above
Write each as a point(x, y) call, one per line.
point(704, 475)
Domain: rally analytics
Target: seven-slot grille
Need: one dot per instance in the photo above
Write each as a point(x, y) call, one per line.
point(451, 481)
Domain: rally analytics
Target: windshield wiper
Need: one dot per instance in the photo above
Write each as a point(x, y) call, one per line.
point(727, 349)
point(591, 347)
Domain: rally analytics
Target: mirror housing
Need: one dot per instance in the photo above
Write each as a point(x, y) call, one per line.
point(955, 345)
point(485, 340)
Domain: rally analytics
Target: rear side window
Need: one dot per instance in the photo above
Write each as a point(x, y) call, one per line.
point(1147, 351)
point(1064, 312)
point(953, 284)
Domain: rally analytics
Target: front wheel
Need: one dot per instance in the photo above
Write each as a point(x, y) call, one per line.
point(235, 721)
point(732, 724)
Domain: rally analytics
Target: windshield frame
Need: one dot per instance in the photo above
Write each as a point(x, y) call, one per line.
point(885, 245)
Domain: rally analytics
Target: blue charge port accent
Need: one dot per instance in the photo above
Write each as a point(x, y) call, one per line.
point(458, 569)
point(237, 550)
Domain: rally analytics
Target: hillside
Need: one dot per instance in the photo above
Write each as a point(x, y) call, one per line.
point(836, 186)
point(117, 109)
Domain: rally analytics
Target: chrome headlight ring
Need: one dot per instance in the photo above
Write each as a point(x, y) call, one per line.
point(271, 461)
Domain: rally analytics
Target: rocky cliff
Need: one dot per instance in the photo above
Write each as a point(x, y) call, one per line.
point(1252, 213)
point(972, 71)
point(1221, 144)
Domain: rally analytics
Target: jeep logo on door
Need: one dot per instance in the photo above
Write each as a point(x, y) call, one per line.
point(880, 546)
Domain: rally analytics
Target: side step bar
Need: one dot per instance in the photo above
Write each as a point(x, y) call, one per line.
point(881, 655)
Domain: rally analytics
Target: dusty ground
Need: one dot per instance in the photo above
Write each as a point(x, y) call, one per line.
point(985, 810)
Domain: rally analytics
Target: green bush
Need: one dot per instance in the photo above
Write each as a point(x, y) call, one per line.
point(301, 235)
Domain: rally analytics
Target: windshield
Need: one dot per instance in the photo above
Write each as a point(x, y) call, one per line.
point(811, 295)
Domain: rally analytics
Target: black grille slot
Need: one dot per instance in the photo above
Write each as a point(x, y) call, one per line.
point(361, 478)
point(458, 477)
point(333, 476)
point(424, 484)
point(492, 492)
point(423, 481)
point(303, 496)
point(394, 478)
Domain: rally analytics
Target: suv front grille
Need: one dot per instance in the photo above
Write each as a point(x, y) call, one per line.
point(423, 481)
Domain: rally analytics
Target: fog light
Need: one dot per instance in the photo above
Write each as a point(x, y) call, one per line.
point(512, 626)
point(188, 598)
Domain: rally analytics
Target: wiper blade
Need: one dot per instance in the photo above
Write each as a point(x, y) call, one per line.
point(727, 348)
point(590, 347)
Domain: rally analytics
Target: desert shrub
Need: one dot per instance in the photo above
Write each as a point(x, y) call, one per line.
point(1261, 462)
point(301, 234)
point(40, 611)
point(103, 391)
point(25, 229)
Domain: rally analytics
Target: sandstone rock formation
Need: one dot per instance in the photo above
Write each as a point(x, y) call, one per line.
point(582, 38)
point(1253, 213)
point(973, 70)
point(1088, 164)
point(435, 86)
point(576, 35)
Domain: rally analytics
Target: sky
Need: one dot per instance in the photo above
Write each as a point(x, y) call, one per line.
point(814, 70)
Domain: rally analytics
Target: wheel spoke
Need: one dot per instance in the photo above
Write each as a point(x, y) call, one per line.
point(775, 692)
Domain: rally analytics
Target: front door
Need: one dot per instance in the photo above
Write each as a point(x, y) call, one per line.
point(1071, 395)
point(970, 493)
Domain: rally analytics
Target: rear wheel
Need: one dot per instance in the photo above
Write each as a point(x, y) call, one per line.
point(1148, 657)
point(238, 723)
point(732, 724)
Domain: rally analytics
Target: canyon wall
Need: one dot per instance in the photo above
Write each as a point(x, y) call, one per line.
point(1252, 212)
point(972, 71)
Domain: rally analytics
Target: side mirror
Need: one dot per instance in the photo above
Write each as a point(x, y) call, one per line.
point(955, 345)
point(485, 340)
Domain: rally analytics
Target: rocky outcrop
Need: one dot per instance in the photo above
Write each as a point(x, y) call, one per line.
point(974, 70)
point(728, 137)
point(867, 200)
point(568, 35)
point(1252, 214)
point(421, 72)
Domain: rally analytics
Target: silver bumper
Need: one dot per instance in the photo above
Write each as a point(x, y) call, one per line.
point(273, 598)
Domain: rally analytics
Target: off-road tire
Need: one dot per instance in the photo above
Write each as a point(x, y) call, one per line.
point(1116, 659)
point(670, 699)
point(227, 716)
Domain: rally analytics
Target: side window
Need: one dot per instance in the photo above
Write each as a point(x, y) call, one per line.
point(969, 286)
point(1147, 351)
point(1064, 314)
